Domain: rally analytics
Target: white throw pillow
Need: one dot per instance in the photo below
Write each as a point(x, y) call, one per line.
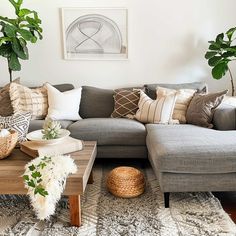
point(183, 99)
point(63, 106)
point(156, 111)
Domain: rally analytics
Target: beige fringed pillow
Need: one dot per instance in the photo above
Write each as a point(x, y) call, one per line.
point(183, 99)
point(24, 99)
point(5, 101)
point(157, 111)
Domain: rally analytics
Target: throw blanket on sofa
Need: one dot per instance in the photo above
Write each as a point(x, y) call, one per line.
point(50, 173)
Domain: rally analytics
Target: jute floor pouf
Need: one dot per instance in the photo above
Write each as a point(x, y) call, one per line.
point(125, 182)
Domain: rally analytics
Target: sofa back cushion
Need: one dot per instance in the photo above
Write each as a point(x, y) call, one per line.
point(225, 117)
point(64, 87)
point(150, 89)
point(96, 102)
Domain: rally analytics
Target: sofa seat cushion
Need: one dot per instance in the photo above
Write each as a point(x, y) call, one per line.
point(38, 124)
point(109, 131)
point(191, 149)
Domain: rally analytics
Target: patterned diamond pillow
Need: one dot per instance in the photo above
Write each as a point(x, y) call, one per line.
point(18, 122)
point(24, 99)
point(126, 102)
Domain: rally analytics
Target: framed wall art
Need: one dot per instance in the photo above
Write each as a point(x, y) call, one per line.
point(95, 33)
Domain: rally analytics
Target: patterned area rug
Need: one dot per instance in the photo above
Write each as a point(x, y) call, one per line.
point(105, 215)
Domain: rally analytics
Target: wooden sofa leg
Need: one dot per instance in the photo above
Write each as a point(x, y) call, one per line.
point(167, 199)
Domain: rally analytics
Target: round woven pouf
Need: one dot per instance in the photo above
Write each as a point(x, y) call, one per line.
point(125, 182)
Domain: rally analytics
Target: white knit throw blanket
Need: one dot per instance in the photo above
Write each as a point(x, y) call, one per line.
point(54, 176)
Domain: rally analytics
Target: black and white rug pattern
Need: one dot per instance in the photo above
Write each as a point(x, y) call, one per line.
point(105, 215)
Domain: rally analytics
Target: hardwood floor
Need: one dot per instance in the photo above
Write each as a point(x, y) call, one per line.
point(228, 201)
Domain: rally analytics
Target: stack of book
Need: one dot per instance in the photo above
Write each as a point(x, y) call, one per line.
point(36, 149)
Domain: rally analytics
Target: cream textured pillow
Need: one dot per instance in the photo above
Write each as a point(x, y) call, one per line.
point(156, 111)
point(63, 106)
point(24, 99)
point(183, 99)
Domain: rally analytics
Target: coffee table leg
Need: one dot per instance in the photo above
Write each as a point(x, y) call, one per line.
point(90, 180)
point(75, 210)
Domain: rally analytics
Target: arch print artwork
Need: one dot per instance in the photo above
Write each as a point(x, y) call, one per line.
point(95, 33)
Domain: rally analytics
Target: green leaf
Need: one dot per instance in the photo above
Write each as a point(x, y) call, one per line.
point(26, 177)
point(220, 70)
point(228, 54)
point(209, 55)
point(225, 45)
point(33, 39)
point(230, 33)
point(25, 34)
point(31, 183)
point(214, 60)
point(20, 51)
point(23, 43)
point(5, 19)
point(32, 167)
point(4, 40)
point(41, 191)
point(36, 174)
point(5, 50)
point(219, 38)
point(10, 30)
point(14, 63)
point(42, 165)
point(214, 46)
point(24, 12)
point(231, 49)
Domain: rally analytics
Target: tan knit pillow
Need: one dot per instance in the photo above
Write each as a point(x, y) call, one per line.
point(156, 111)
point(126, 102)
point(29, 100)
point(5, 101)
point(183, 99)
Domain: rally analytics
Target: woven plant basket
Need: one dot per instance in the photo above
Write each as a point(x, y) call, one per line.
point(7, 144)
point(126, 182)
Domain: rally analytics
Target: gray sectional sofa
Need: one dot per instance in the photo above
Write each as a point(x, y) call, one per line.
point(185, 158)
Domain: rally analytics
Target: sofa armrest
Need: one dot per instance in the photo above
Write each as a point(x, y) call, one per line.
point(225, 117)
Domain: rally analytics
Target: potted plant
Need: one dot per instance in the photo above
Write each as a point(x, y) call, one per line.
point(16, 33)
point(221, 52)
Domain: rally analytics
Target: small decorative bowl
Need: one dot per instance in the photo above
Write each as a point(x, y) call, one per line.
point(8, 143)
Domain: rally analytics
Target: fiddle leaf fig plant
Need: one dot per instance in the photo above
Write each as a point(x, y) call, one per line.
point(16, 33)
point(220, 53)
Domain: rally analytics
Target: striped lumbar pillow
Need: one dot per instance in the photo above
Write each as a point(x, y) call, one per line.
point(183, 99)
point(156, 111)
point(24, 99)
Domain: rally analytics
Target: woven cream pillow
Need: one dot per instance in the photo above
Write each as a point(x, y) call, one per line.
point(24, 99)
point(157, 111)
point(183, 99)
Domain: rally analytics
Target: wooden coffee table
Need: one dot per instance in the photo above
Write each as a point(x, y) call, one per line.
point(12, 169)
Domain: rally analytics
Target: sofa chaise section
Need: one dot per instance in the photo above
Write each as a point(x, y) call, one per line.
point(188, 158)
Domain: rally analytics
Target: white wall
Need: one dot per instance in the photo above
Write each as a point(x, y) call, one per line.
point(167, 43)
